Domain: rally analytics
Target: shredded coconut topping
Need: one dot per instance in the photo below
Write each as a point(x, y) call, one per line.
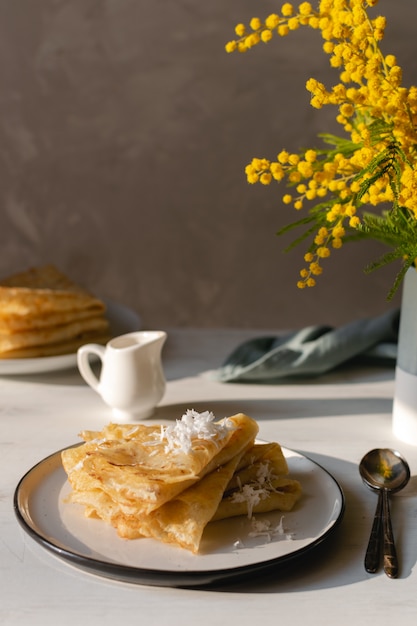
point(264, 528)
point(192, 426)
point(253, 493)
point(264, 474)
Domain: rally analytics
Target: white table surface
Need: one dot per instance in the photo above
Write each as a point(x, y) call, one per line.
point(334, 420)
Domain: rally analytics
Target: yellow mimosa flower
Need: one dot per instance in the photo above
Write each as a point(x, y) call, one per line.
point(374, 161)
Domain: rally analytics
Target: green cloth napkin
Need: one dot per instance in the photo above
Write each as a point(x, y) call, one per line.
point(313, 350)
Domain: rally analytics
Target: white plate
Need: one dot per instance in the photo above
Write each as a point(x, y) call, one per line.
point(228, 551)
point(122, 320)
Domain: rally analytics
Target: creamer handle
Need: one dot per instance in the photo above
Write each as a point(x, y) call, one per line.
point(84, 365)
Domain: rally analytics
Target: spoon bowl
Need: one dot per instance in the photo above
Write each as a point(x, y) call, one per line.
point(383, 468)
point(385, 471)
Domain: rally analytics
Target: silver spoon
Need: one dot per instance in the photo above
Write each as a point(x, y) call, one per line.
point(385, 471)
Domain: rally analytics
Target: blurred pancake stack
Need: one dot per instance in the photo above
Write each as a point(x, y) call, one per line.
point(44, 313)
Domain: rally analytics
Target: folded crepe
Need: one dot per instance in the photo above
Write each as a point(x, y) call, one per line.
point(43, 313)
point(260, 484)
point(168, 483)
point(182, 520)
point(140, 468)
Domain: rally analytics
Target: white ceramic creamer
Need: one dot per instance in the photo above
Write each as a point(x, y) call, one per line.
point(132, 380)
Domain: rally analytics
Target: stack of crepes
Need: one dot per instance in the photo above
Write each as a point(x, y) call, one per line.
point(43, 313)
point(169, 482)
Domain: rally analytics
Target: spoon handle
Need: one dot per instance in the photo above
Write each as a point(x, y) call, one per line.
point(373, 552)
point(390, 554)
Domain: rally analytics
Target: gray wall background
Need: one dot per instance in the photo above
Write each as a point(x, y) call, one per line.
point(124, 132)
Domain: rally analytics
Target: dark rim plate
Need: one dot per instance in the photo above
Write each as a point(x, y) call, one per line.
point(229, 552)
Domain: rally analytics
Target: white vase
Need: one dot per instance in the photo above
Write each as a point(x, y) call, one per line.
point(404, 419)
